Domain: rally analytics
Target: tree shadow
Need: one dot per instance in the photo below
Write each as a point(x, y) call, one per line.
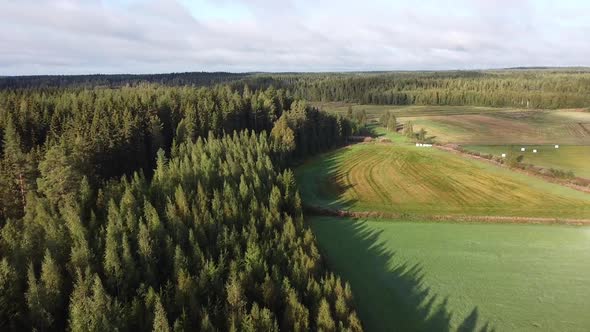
point(320, 183)
point(390, 294)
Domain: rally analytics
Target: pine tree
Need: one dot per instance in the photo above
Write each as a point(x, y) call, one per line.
point(15, 173)
point(409, 130)
point(10, 295)
point(51, 281)
point(160, 319)
point(392, 123)
point(60, 177)
point(324, 319)
point(40, 318)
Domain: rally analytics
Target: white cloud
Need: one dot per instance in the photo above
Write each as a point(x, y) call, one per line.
point(68, 36)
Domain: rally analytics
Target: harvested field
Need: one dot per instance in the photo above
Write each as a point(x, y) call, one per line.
point(567, 158)
point(405, 179)
point(486, 125)
point(375, 111)
point(531, 127)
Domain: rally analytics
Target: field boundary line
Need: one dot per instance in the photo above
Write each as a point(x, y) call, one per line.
point(546, 178)
point(324, 211)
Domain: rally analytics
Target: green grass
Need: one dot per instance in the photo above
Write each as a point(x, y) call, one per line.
point(403, 179)
point(568, 158)
point(485, 125)
point(453, 276)
point(524, 127)
point(393, 136)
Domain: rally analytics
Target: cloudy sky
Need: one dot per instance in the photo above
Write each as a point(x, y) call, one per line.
point(154, 36)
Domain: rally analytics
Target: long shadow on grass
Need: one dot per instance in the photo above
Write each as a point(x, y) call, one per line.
point(320, 183)
point(390, 294)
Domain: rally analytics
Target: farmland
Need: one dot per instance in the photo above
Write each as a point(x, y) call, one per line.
point(523, 127)
point(374, 111)
point(452, 276)
point(403, 179)
point(486, 125)
point(568, 158)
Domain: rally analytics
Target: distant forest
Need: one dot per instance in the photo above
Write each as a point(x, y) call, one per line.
point(517, 87)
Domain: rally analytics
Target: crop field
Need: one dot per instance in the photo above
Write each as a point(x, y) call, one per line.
point(485, 125)
point(424, 276)
point(402, 179)
point(523, 127)
point(568, 158)
point(375, 111)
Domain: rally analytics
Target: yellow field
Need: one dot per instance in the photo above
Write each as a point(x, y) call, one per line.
point(575, 158)
point(523, 127)
point(425, 181)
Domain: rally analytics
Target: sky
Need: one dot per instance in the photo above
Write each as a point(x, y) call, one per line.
point(39, 37)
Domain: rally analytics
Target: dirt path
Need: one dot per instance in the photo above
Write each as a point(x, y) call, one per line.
point(522, 171)
point(321, 211)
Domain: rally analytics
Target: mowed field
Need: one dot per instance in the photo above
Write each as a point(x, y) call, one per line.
point(471, 125)
point(574, 158)
point(455, 276)
point(522, 127)
point(375, 111)
point(404, 179)
point(424, 276)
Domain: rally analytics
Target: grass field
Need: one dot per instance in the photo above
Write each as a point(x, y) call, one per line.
point(531, 127)
point(424, 276)
point(462, 277)
point(569, 158)
point(399, 178)
point(485, 125)
point(375, 111)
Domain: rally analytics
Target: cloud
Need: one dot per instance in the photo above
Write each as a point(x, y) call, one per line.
point(145, 36)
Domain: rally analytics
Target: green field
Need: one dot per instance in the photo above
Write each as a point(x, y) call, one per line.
point(499, 128)
point(485, 125)
point(425, 276)
point(568, 158)
point(403, 179)
point(375, 111)
point(453, 276)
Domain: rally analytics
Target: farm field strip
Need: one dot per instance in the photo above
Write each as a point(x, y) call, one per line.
point(499, 129)
point(405, 179)
point(574, 158)
point(374, 111)
point(486, 125)
point(449, 276)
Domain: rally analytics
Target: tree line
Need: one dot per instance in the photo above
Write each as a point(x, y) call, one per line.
point(507, 88)
point(117, 80)
point(162, 208)
point(531, 88)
